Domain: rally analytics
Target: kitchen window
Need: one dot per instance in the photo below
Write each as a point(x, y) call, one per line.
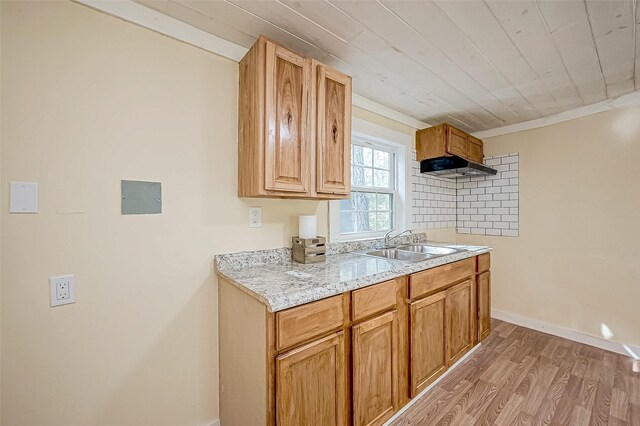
point(376, 204)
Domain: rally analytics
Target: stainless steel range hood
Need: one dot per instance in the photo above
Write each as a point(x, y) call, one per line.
point(454, 167)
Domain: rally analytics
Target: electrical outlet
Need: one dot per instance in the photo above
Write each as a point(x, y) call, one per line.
point(62, 290)
point(255, 217)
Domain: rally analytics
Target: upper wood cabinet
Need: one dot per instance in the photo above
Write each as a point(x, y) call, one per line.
point(294, 126)
point(445, 140)
point(333, 131)
point(287, 147)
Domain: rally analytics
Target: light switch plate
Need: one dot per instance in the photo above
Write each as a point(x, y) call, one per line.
point(62, 290)
point(255, 217)
point(23, 197)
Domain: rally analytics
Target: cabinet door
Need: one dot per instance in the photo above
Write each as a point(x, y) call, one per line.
point(333, 131)
point(459, 320)
point(457, 143)
point(476, 152)
point(484, 305)
point(375, 370)
point(427, 341)
point(287, 147)
point(311, 384)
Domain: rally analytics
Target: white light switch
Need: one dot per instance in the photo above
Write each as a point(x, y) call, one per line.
point(255, 217)
point(62, 290)
point(23, 197)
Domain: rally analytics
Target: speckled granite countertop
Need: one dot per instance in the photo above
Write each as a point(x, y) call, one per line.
point(281, 283)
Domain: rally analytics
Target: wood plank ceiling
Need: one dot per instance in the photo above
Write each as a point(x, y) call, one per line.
point(475, 64)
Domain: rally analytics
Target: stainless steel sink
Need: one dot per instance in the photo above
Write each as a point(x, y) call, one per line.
point(412, 252)
point(423, 248)
point(395, 254)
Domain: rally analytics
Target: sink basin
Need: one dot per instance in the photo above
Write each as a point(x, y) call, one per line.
point(395, 254)
point(433, 250)
point(412, 252)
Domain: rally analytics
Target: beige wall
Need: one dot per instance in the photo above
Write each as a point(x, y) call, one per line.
point(88, 100)
point(576, 263)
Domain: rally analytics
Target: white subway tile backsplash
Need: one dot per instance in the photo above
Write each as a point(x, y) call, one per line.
point(481, 205)
point(433, 200)
point(495, 211)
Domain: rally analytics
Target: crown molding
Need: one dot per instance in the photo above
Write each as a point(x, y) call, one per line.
point(630, 99)
point(154, 20)
point(146, 17)
point(368, 104)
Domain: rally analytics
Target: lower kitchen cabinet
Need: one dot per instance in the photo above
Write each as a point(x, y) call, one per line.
point(375, 369)
point(428, 341)
point(311, 384)
point(459, 303)
point(351, 359)
point(484, 304)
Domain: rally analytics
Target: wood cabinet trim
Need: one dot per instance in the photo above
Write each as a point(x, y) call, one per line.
point(484, 304)
point(271, 368)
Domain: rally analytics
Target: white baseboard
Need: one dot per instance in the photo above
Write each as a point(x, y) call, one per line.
point(216, 422)
point(563, 332)
point(428, 388)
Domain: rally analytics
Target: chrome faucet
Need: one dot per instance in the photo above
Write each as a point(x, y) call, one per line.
point(387, 238)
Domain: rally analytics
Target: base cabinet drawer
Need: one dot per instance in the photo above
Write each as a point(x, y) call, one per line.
point(371, 300)
point(375, 370)
point(311, 384)
point(435, 279)
point(302, 323)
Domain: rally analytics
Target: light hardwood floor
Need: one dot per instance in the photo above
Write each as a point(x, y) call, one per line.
point(521, 376)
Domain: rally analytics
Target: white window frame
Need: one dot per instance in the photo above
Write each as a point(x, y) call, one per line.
point(365, 132)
